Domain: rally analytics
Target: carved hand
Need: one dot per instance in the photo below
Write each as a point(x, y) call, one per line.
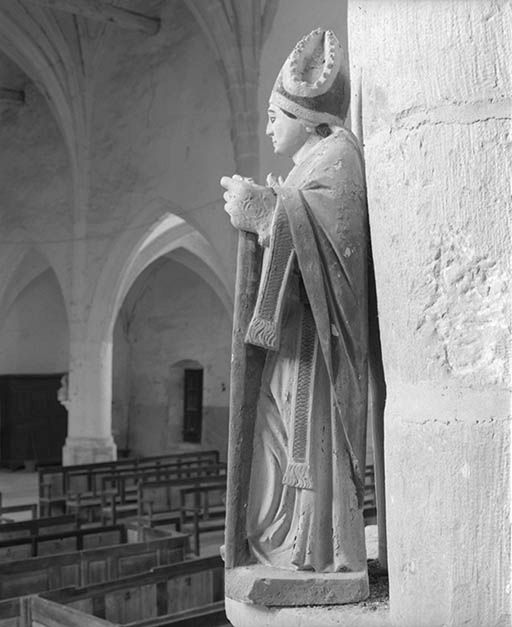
point(249, 205)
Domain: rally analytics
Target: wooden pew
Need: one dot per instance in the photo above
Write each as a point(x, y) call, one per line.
point(121, 485)
point(155, 497)
point(90, 566)
point(122, 488)
point(37, 526)
point(61, 541)
point(206, 504)
point(44, 613)
point(5, 510)
point(145, 600)
point(56, 481)
point(94, 478)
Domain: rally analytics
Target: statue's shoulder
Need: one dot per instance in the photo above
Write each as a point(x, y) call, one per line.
point(341, 154)
point(343, 142)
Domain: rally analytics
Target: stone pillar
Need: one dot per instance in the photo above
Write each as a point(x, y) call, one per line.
point(435, 118)
point(90, 399)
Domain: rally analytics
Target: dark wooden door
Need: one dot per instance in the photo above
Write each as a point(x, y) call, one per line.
point(33, 424)
point(193, 405)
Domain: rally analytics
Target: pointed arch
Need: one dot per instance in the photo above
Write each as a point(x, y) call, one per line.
point(133, 252)
point(33, 38)
point(24, 261)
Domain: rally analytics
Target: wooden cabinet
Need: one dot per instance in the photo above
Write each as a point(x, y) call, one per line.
point(33, 424)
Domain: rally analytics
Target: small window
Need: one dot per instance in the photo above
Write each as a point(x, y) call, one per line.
point(193, 405)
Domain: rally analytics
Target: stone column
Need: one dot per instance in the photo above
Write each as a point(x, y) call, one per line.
point(90, 399)
point(435, 118)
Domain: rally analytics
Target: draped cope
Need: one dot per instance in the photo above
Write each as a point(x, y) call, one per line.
point(307, 478)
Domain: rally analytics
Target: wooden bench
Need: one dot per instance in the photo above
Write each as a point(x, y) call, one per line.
point(122, 486)
point(207, 514)
point(56, 481)
point(41, 612)
point(90, 566)
point(5, 510)
point(155, 493)
point(94, 479)
point(141, 600)
point(61, 541)
point(37, 526)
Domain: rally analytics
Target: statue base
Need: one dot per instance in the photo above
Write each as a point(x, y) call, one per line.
point(264, 585)
point(242, 615)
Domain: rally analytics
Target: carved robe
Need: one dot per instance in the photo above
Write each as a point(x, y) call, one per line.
point(306, 492)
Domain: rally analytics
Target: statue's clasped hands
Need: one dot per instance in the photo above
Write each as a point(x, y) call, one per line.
point(250, 206)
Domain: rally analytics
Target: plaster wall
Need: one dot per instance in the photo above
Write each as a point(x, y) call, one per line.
point(171, 319)
point(34, 337)
point(36, 201)
point(435, 110)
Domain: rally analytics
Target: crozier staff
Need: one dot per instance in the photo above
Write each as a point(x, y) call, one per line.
point(306, 490)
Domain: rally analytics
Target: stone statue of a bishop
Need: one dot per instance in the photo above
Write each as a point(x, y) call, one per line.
point(304, 519)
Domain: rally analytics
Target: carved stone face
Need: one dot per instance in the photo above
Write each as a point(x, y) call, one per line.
point(288, 134)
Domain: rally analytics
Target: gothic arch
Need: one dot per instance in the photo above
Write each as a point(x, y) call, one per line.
point(134, 252)
point(34, 40)
point(25, 261)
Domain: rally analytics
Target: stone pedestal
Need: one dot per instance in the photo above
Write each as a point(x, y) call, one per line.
point(88, 450)
point(268, 586)
point(247, 615)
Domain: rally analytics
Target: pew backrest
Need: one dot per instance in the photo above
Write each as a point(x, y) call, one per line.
point(87, 567)
point(61, 542)
point(186, 593)
point(44, 613)
point(54, 481)
point(37, 526)
point(122, 482)
point(164, 495)
point(164, 590)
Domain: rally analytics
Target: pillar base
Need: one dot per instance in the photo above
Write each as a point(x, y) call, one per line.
point(243, 614)
point(88, 451)
point(268, 586)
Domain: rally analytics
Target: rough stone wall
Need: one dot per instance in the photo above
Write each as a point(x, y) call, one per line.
point(433, 96)
point(171, 317)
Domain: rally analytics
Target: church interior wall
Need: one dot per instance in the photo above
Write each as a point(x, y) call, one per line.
point(156, 144)
point(34, 336)
point(36, 193)
point(170, 317)
point(156, 138)
point(435, 116)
